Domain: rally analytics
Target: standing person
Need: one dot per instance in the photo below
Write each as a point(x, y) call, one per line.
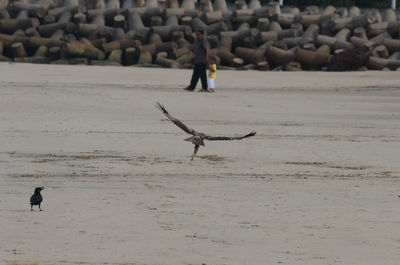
point(211, 77)
point(201, 53)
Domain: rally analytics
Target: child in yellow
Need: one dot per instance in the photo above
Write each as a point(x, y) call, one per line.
point(211, 76)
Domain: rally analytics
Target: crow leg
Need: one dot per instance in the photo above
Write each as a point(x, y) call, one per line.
point(31, 207)
point(196, 148)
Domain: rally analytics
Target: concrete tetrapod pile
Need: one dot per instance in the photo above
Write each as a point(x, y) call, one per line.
point(244, 36)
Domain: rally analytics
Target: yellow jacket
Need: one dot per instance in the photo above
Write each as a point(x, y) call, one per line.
point(213, 70)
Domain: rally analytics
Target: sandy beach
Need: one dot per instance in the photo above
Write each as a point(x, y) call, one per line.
point(318, 184)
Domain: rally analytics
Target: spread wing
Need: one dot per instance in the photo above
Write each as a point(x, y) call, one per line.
point(225, 138)
point(175, 121)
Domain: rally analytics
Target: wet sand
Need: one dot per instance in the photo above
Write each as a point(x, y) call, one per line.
point(318, 184)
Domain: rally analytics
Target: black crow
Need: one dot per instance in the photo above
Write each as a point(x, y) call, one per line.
point(36, 198)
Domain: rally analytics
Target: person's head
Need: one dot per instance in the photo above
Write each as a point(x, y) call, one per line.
point(199, 33)
point(212, 60)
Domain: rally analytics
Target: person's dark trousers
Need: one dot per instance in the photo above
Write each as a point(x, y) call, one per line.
point(199, 71)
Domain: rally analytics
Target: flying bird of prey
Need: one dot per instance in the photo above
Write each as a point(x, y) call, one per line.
point(36, 198)
point(198, 138)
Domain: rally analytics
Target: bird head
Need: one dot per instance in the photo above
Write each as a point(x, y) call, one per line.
point(39, 189)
